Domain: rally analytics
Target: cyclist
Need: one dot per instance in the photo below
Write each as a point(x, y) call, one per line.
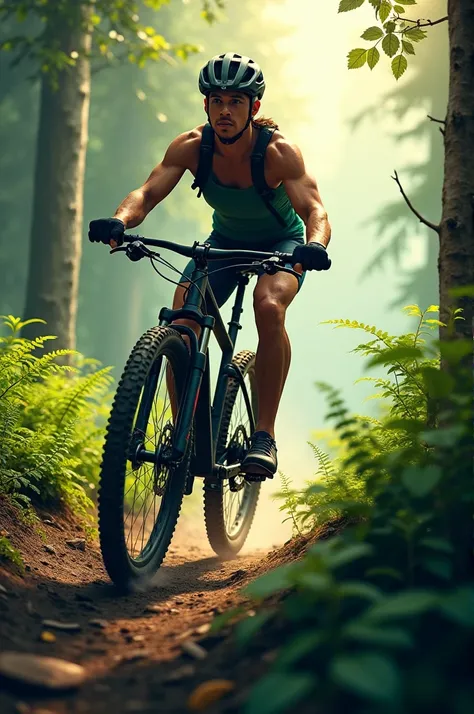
point(263, 199)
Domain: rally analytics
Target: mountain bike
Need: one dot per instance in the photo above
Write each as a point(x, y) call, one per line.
point(164, 429)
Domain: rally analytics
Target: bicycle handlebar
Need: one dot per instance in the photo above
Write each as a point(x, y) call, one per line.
point(211, 253)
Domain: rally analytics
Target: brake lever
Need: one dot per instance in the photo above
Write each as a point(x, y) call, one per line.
point(119, 247)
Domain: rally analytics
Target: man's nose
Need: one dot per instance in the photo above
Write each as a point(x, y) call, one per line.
point(225, 109)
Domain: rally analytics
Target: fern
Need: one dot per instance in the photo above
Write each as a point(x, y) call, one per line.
point(51, 421)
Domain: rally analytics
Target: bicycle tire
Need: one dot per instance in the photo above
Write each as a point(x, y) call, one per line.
point(227, 545)
point(124, 570)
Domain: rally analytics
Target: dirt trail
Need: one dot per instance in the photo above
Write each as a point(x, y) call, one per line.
point(128, 652)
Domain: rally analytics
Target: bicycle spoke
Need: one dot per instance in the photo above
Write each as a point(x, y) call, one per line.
point(142, 493)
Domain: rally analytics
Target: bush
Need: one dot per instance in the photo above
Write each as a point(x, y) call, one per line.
point(52, 419)
point(381, 618)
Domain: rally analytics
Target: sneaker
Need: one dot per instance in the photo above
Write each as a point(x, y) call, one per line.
point(261, 460)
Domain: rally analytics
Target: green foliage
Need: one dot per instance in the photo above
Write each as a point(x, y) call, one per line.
point(9, 553)
point(51, 421)
point(115, 26)
point(381, 617)
point(396, 33)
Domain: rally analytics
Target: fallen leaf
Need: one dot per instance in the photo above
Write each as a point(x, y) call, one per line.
point(47, 636)
point(209, 692)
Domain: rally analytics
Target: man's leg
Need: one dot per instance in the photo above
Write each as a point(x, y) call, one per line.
point(273, 294)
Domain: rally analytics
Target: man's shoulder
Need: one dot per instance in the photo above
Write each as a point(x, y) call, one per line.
point(284, 156)
point(184, 149)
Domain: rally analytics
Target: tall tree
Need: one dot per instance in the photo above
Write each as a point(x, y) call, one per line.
point(397, 34)
point(68, 36)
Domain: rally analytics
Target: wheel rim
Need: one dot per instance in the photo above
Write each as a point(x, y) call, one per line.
point(147, 484)
point(236, 504)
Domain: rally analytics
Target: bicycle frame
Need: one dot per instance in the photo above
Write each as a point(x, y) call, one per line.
point(197, 397)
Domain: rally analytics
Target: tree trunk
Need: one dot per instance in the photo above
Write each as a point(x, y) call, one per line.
point(456, 257)
point(456, 261)
point(56, 233)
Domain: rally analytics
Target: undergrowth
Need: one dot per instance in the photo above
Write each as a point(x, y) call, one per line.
point(52, 418)
point(380, 618)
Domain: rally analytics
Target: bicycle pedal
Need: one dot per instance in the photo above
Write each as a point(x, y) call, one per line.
point(257, 478)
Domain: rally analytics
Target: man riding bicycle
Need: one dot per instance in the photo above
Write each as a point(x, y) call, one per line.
point(263, 199)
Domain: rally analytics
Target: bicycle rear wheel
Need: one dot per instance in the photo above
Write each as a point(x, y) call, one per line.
point(229, 513)
point(139, 502)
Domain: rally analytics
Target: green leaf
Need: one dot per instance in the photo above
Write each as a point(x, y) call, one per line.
point(372, 33)
point(420, 480)
point(355, 588)
point(248, 628)
point(375, 3)
point(272, 582)
point(222, 620)
point(390, 44)
point(348, 554)
point(315, 582)
point(459, 606)
point(389, 26)
point(453, 352)
point(278, 692)
point(441, 567)
point(403, 604)
point(462, 291)
point(399, 66)
point(407, 2)
point(443, 438)
point(369, 675)
point(412, 426)
point(298, 648)
point(356, 58)
point(408, 47)
point(414, 34)
point(383, 636)
point(438, 384)
point(346, 5)
point(384, 10)
point(373, 56)
point(396, 354)
point(440, 544)
point(399, 8)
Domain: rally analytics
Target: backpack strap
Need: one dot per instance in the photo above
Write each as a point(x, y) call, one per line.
point(206, 152)
point(257, 163)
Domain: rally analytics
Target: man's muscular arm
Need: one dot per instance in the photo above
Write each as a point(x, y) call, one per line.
point(162, 180)
point(302, 191)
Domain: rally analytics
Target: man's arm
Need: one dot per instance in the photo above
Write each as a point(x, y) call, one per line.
point(302, 191)
point(162, 180)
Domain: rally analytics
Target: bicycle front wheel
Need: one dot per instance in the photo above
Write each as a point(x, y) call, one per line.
point(229, 511)
point(139, 502)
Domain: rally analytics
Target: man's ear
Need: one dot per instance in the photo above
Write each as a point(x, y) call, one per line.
point(256, 107)
point(206, 104)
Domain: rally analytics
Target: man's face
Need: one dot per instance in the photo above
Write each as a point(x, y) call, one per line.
point(228, 111)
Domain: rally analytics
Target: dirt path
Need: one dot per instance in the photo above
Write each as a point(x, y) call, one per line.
point(128, 645)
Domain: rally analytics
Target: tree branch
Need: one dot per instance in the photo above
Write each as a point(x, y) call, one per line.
point(426, 23)
point(438, 121)
point(434, 227)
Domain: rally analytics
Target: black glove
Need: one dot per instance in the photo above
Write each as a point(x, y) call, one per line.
point(312, 256)
point(103, 230)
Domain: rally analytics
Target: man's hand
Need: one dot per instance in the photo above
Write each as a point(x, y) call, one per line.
point(312, 256)
point(107, 230)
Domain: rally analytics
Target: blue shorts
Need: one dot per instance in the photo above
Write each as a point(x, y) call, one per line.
point(224, 282)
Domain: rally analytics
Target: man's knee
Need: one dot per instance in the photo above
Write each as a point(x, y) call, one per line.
point(269, 312)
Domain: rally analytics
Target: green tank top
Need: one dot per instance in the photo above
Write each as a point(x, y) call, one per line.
point(240, 214)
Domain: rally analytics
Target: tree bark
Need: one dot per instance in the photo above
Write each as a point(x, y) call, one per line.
point(456, 257)
point(56, 234)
